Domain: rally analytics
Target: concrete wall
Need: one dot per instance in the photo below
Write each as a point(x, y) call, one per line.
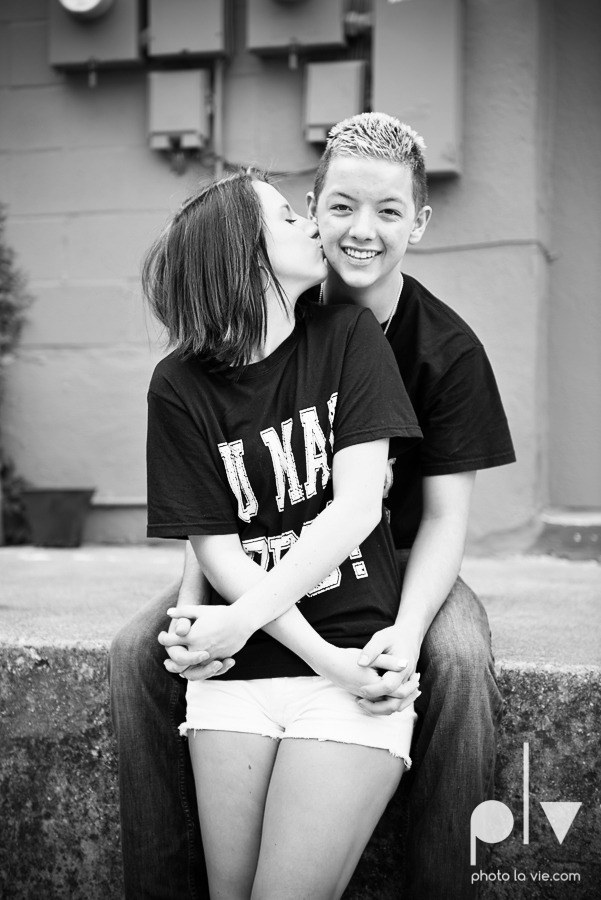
point(481, 252)
point(575, 295)
point(86, 196)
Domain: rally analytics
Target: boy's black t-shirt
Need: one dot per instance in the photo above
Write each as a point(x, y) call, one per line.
point(453, 391)
point(250, 452)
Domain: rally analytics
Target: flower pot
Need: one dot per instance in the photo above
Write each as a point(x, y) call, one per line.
point(57, 515)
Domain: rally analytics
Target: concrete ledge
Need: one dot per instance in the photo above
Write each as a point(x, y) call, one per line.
point(58, 792)
point(58, 812)
point(59, 826)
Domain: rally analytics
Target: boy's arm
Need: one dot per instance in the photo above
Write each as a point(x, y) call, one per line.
point(194, 588)
point(432, 568)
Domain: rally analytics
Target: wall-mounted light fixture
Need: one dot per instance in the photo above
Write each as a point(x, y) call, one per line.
point(86, 9)
point(94, 34)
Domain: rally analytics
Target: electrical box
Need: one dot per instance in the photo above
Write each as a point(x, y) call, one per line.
point(178, 115)
point(86, 33)
point(333, 91)
point(277, 26)
point(190, 27)
point(417, 73)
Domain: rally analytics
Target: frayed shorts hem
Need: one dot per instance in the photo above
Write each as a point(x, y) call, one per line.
point(305, 708)
point(185, 731)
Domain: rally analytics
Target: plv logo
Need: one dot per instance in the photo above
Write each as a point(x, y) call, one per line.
point(492, 821)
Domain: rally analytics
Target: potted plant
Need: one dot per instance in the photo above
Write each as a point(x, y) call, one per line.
point(56, 516)
point(14, 301)
point(49, 517)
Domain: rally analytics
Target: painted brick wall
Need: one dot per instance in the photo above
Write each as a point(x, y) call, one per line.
point(86, 196)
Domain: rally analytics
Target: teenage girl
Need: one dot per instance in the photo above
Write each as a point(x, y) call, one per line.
point(268, 441)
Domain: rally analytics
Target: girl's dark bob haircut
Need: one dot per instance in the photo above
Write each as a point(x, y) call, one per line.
point(205, 277)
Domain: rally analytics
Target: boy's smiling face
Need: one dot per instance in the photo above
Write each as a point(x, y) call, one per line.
point(367, 217)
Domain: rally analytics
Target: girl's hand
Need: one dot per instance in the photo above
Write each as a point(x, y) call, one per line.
point(218, 630)
point(340, 666)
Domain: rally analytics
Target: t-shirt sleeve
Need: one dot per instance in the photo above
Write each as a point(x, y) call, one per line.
point(372, 401)
point(464, 423)
point(186, 490)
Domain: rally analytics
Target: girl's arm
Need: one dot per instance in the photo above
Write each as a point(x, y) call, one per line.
point(358, 478)
point(290, 629)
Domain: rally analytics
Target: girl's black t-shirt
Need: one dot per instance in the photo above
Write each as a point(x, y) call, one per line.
point(250, 452)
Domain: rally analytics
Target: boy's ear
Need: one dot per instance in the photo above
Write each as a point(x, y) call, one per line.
point(420, 224)
point(311, 206)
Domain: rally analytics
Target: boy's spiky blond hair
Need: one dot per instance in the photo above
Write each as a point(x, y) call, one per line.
point(377, 136)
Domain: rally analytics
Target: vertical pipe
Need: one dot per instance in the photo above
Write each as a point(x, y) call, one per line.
point(526, 792)
point(218, 116)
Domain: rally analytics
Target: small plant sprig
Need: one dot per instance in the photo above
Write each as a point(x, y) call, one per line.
point(14, 299)
point(14, 303)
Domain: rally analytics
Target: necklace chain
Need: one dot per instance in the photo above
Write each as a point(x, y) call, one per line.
point(392, 311)
point(394, 308)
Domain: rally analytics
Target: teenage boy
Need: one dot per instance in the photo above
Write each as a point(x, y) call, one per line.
point(370, 203)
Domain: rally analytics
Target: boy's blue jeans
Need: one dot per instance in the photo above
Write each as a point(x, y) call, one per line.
point(453, 753)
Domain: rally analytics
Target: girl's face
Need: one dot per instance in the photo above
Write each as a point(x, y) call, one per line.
point(293, 246)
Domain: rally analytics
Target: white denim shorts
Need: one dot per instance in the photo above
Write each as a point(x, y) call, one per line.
point(302, 707)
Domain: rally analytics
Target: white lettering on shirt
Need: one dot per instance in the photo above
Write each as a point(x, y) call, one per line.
point(284, 465)
point(232, 455)
point(359, 568)
point(272, 550)
point(280, 543)
point(316, 454)
point(273, 547)
point(259, 546)
point(331, 412)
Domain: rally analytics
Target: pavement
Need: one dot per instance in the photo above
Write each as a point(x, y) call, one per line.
point(542, 610)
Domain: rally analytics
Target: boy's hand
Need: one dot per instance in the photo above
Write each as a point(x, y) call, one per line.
point(341, 667)
point(400, 687)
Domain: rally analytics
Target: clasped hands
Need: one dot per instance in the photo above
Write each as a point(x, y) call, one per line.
point(202, 640)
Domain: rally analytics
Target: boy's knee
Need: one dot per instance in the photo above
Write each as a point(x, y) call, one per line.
point(136, 647)
point(133, 653)
point(458, 642)
point(123, 647)
point(461, 659)
point(465, 663)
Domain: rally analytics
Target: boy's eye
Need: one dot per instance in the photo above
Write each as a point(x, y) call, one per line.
point(391, 212)
point(340, 207)
point(292, 221)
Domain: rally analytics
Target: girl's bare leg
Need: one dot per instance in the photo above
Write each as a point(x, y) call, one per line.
point(323, 803)
point(232, 772)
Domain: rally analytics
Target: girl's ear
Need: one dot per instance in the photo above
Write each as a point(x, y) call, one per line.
point(311, 207)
